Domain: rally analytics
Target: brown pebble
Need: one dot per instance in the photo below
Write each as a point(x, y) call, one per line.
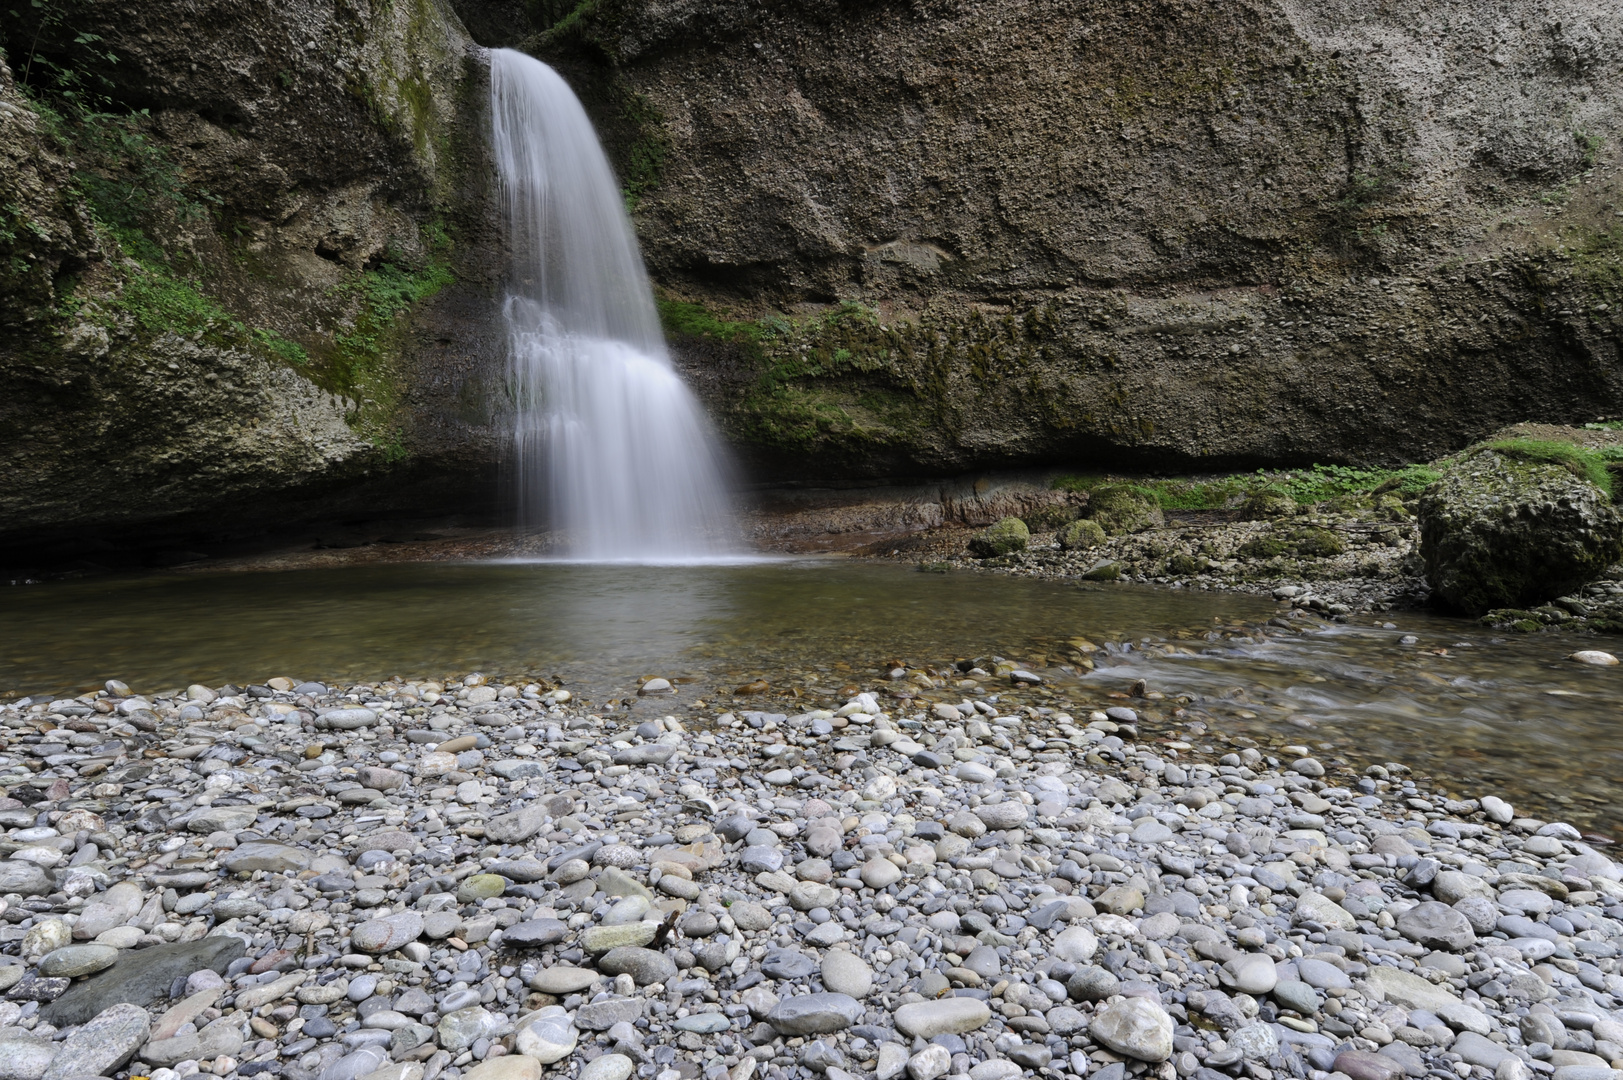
point(268, 961)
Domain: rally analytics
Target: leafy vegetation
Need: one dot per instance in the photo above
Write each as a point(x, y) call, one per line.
point(1304, 487)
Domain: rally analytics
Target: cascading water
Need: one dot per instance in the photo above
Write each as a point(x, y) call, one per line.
point(610, 446)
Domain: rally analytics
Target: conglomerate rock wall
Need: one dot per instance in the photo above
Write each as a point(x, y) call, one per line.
point(940, 234)
point(249, 265)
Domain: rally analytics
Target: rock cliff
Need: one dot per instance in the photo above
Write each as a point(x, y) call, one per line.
point(938, 234)
point(245, 263)
point(248, 266)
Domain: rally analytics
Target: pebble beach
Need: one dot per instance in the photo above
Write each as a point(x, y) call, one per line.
point(472, 880)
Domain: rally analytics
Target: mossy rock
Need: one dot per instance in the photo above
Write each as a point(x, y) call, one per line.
point(1050, 517)
point(1266, 505)
point(1121, 509)
point(1081, 535)
point(1501, 532)
point(1390, 508)
point(1186, 565)
point(1266, 545)
point(1004, 538)
point(1319, 544)
point(1105, 571)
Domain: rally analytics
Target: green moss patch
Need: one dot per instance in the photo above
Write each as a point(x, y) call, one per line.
point(1302, 487)
point(1584, 463)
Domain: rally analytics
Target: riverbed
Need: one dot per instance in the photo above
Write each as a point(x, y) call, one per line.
point(1478, 712)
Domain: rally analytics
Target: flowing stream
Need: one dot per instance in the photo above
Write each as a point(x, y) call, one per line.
point(610, 447)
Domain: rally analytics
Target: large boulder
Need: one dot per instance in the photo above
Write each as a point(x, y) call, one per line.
point(1498, 531)
point(1007, 536)
point(1120, 508)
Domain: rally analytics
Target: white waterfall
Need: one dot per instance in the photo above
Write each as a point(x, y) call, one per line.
point(610, 446)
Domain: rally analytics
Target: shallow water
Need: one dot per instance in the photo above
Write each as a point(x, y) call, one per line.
point(1482, 713)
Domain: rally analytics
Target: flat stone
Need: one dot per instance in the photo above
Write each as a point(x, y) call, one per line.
point(705, 1023)
point(74, 960)
point(645, 966)
point(271, 858)
point(1409, 991)
point(601, 939)
point(946, 1016)
point(1321, 975)
point(1316, 907)
point(139, 977)
point(608, 1067)
point(1136, 1027)
point(787, 964)
point(1365, 1065)
point(648, 754)
point(388, 933)
point(846, 973)
point(602, 1015)
point(559, 979)
point(880, 874)
point(222, 819)
point(1479, 1050)
point(1008, 814)
point(506, 1067)
point(1452, 886)
point(516, 827)
point(546, 1035)
point(1299, 996)
point(25, 878)
point(25, 1057)
point(461, 1028)
point(535, 933)
point(1076, 945)
point(1253, 973)
point(815, 1014)
point(105, 1042)
point(1436, 925)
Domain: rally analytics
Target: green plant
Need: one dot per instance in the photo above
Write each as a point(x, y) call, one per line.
point(1582, 462)
point(1590, 146)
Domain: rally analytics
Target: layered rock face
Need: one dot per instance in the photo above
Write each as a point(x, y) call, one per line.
point(246, 269)
point(937, 234)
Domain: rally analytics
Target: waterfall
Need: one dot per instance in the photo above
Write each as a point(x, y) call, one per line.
point(609, 445)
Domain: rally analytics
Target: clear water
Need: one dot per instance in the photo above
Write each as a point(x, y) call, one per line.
point(1479, 712)
point(610, 448)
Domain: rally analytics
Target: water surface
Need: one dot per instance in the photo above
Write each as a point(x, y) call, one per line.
point(1481, 712)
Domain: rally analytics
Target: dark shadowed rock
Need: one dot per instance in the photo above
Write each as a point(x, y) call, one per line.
point(141, 976)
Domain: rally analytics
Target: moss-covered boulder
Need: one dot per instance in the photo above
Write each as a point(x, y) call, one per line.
point(1498, 532)
point(1120, 508)
point(1055, 515)
point(1004, 538)
point(1081, 535)
point(1265, 505)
